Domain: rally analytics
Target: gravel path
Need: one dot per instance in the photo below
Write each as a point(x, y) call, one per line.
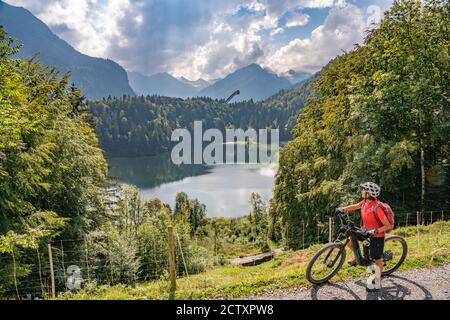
point(419, 284)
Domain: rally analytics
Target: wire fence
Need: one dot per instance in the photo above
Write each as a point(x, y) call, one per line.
point(72, 264)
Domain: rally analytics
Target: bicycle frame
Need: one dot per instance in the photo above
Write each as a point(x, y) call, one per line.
point(361, 258)
point(350, 234)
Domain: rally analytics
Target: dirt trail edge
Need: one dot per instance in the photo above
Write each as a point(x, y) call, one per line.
point(418, 284)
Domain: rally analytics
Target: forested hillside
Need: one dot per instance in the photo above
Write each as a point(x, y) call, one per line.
point(136, 126)
point(381, 113)
point(51, 168)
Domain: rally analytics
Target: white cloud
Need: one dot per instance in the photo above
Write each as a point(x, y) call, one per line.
point(276, 31)
point(344, 26)
point(89, 25)
point(297, 19)
point(318, 3)
point(204, 38)
point(278, 7)
point(235, 43)
point(256, 6)
point(230, 46)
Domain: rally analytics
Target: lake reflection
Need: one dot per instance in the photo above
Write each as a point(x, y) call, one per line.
point(224, 189)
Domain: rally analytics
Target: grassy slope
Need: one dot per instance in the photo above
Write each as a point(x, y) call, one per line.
point(431, 248)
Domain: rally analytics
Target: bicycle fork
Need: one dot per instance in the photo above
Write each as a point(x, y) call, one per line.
point(331, 263)
point(355, 248)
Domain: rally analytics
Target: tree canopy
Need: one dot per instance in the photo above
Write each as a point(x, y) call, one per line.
point(51, 168)
point(381, 112)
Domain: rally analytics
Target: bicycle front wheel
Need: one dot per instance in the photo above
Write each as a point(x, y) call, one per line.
point(395, 250)
point(325, 263)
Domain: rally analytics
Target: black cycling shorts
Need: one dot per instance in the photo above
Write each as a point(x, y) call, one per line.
point(376, 248)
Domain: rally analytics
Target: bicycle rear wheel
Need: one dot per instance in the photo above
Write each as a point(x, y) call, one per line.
point(395, 250)
point(325, 263)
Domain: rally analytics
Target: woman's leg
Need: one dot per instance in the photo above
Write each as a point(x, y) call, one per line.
point(376, 254)
point(380, 264)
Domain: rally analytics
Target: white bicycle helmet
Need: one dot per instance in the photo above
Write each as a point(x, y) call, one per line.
point(371, 188)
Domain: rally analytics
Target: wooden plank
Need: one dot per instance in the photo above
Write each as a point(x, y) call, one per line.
point(256, 259)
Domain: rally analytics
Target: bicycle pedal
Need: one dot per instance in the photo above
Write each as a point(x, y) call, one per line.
point(388, 255)
point(352, 263)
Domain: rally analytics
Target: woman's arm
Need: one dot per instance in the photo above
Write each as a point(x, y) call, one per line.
point(352, 207)
point(386, 224)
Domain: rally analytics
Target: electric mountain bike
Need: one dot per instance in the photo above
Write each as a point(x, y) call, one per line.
point(328, 260)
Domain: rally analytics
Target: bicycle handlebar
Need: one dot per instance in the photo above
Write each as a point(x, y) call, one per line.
point(349, 225)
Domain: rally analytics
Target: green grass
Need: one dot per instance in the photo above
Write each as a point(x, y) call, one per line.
point(427, 246)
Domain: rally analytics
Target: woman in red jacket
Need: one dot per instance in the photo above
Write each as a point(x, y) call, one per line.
point(375, 228)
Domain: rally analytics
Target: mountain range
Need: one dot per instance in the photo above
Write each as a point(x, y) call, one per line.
point(162, 84)
point(100, 78)
point(95, 76)
point(252, 81)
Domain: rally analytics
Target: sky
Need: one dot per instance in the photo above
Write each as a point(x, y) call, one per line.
point(210, 38)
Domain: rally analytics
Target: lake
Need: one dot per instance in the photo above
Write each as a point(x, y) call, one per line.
point(225, 189)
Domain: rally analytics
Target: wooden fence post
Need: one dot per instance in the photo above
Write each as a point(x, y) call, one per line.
point(215, 239)
point(303, 235)
point(172, 274)
point(62, 263)
point(407, 216)
point(15, 273)
point(330, 229)
point(110, 266)
point(318, 233)
point(52, 272)
point(86, 257)
point(418, 235)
